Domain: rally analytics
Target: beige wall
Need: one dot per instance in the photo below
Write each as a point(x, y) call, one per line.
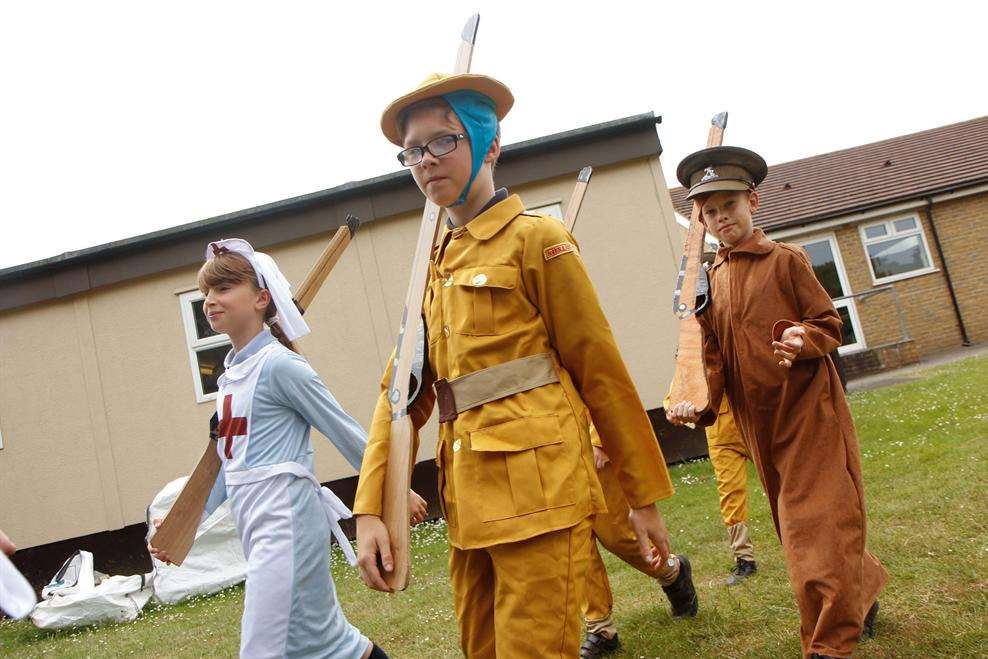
point(97, 405)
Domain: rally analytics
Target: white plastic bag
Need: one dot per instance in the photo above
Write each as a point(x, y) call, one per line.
point(215, 562)
point(77, 596)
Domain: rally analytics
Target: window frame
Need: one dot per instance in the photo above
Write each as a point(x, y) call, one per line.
point(889, 223)
point(845, 301)
point(194, 344)
point(540, 208)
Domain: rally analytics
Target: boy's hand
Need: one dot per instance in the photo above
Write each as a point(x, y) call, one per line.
point(160, 554)
point(599, 458)
point(790, 346)
point(6, 546)
point(373, 543)
point(418, 509)
point(653, 538)
point(682, 413)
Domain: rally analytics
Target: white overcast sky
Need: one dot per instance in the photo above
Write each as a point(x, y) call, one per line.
point(120, 118)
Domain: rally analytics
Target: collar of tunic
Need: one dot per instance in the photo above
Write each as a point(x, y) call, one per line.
point(263, 338)
point(757, 243)
point(492, 220)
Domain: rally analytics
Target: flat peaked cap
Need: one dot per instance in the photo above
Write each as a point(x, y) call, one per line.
point(721, 168)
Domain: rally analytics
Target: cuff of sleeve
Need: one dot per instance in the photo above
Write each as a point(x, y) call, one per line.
point(707, 417)
point(780, 327)
point(362, 508)
point(663, 489)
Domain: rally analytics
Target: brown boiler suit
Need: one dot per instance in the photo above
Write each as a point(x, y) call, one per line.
point(798, 426)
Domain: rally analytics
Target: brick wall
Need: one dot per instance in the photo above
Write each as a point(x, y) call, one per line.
point(962, 225)
point(924, 299)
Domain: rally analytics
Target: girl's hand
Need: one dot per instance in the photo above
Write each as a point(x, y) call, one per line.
point(599, 458)
point(790, 346)
point(373, 552)
point(682, 413)
point(160, 554)
point(418, 509)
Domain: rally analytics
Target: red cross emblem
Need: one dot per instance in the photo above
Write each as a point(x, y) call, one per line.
point(231, 427)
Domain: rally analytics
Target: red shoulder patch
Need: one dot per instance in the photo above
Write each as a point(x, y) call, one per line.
point(550, 253)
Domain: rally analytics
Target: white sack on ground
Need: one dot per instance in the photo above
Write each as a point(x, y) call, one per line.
point(215, 562)
point(77, 595)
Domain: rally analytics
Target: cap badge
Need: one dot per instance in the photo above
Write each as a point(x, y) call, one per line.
point(708, 174)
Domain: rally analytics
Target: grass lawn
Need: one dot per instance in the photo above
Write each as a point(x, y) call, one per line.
point(924, 445)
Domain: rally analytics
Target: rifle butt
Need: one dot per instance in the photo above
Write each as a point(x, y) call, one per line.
point(395, 503)
point(690, 381)
point(178, 530)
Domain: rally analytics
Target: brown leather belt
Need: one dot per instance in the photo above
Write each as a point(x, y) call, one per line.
point(486, 385)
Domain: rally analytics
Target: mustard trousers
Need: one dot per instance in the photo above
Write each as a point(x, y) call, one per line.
point(522, 599)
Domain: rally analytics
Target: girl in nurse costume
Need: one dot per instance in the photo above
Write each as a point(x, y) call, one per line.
point(269, 398)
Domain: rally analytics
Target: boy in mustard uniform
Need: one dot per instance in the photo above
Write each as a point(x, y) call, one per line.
point(613, 531)
point(520, 355)
point(729, 457)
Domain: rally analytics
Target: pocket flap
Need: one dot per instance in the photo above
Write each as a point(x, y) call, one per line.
point(518, 434)
point(490, 276)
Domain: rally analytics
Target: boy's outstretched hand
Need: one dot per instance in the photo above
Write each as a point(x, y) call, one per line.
point(790, 345)
point(653, 538)
point(418, 509)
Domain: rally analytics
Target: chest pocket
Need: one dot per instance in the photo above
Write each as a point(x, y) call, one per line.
point(479, 299)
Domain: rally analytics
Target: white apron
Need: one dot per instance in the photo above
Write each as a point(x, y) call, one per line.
point(265, 503)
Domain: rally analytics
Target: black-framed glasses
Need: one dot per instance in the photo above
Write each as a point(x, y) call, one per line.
point(439, 146)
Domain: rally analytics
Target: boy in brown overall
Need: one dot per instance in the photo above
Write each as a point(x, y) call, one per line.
point(767, 335)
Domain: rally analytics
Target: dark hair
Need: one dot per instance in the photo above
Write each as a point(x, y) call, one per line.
point(233, 268)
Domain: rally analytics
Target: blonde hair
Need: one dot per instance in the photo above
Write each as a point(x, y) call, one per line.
point(232, 268)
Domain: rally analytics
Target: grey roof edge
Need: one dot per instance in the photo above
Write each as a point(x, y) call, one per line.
point(514, 151)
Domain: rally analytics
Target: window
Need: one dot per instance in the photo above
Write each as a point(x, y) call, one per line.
point(555, 210)
point(896, 249)
point(206, 348)
point(829, 269)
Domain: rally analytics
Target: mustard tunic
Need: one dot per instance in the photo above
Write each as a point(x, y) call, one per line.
point(508, 285)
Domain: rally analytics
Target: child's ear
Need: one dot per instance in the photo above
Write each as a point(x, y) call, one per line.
point(753, 200)
point(263, 299)
point(494, 152)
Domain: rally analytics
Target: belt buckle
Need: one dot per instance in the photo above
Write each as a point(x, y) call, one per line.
point(446, 401)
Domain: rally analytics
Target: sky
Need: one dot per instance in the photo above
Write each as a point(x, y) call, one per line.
point(122, 118)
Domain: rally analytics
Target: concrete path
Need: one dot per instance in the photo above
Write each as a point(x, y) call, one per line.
point(914, 371)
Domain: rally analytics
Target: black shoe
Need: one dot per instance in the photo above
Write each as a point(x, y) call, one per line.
point(869, 622)
point(741, 571)
point(595, 645)
point(681, 593)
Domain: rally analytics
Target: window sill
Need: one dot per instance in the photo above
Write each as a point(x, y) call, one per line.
point(208, 398)
point(904, 276)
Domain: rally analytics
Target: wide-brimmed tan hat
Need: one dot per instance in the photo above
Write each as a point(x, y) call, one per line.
point(721, 168)
point(438, 84)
